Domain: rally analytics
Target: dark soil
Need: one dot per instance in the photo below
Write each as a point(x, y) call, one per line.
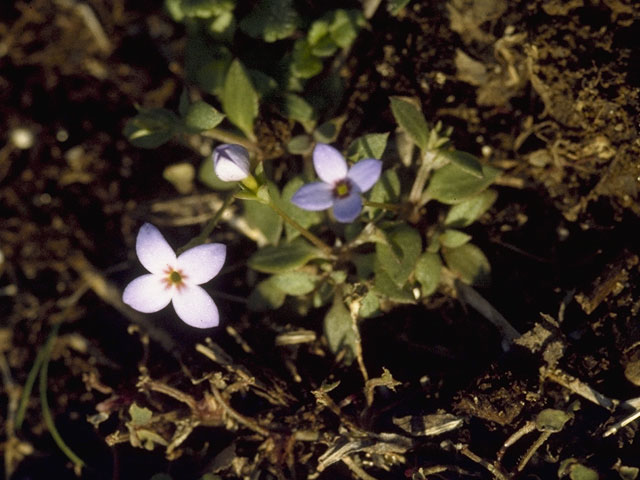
point(547, 90)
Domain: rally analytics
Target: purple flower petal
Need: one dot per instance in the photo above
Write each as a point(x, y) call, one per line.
point(200, 264)
point(347, 209)
point(147, 294)
point(365, 173)
point(329, 163)
point(231, 162)
point(314, 196)
point(153, 250)
point(195, 307)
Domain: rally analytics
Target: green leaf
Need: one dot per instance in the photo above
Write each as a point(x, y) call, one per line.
point(450, 184)
point(371, 145)
point(266, 296)
point(207, 176)
point(300, 144)
point(338, 328)
point(468, 211)
point(469, 263)
point(628, 473)
point(305, 64)
point(387, 189)
point(395, 6)
point(324, 47)
point(467, 162)
point(384, 286)
point(451, 238)
point(202, 116)
point(174, 7)
point(399, 257)
point(370, 305)
point(580, 472)
point(161, 476)
point(206, 8)
point(212, 74)
point(263, 218)
point(183, 105)
point(552, 420)
point(298, 109)
point(283, 258)
point(365, 264)
point(323, 294)
point(295, 283)
point(328, 131)
point(410, 118)
point(151, 127)
point(305, 218)
point(240, 99)
point(271, 20)
point(318, 30)
point(223, 26)
point(427, 272)
point(139, 415)
point(345, 26)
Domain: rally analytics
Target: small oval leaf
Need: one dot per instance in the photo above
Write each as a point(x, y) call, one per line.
point(451, 184)
point(427, 272)
point(469, 263)
point(411, 120)
point(283, 258)
point(202, 116)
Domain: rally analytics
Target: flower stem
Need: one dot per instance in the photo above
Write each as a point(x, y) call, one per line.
point(208, 228)
point(303, 231)
point(44, 404)
point(427, 164)
point(385, 206)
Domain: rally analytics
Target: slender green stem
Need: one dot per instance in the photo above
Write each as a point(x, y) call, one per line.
point(303, 231)
point(208, 228)
point(28, 387)
point(385, 206)
point(428, 163)
point(46, 412)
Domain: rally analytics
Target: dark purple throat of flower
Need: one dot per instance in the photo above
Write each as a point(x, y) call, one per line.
point(342, 188)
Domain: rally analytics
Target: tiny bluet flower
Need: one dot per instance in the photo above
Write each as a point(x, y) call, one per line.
point(231, 162)
point(175, 279)
point(341, 187)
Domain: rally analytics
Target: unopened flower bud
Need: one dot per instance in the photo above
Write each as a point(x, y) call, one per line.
point(231, 162)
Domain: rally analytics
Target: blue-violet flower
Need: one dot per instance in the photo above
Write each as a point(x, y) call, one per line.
point(231, 162)
point(175, 279)
point(341, 186)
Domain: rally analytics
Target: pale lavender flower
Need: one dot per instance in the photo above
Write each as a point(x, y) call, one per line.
point(175, 279)
point(231, 162)
point(341, 186)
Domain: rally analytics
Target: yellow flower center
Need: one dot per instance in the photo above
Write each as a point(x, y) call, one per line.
point(342, 189)
point(173, 278)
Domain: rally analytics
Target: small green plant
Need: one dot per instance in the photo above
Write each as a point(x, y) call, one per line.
point(378, 229)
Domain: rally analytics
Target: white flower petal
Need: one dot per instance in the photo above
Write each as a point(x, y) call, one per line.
point(347, 209)
point(147, 294)
point(365, 173)
point(154, 253)
point(195, 307)
point(329, 163)
point(200, 264)
point(231, 162)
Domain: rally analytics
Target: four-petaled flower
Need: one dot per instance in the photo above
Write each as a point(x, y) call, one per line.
point(175, 278)
point(231, 162)
point(341, 186)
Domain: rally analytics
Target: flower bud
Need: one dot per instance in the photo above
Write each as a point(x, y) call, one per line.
point(231, 162)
